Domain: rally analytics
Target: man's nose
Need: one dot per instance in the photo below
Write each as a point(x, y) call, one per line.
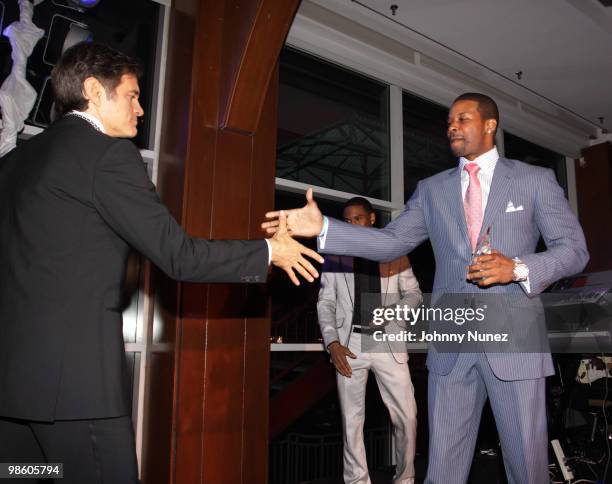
point(138, 109)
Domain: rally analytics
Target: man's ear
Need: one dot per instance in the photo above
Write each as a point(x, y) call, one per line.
point(372, 218)
point(490, 126)
point(93, 90)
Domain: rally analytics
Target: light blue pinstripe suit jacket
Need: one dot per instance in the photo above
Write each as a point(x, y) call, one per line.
point(435, 211)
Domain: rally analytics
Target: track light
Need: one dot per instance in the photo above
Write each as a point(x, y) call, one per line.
point(84, 3)
point(78, 5)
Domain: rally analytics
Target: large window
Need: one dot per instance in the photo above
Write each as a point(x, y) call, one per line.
point(426, 148)
point(521, 149)
point(130, 27)
point(426, 152)
point(333, 127)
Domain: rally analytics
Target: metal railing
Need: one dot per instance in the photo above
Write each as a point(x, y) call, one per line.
point(299, 326)
point(300, 458)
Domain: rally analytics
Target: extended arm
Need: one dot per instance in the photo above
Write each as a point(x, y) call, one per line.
point(398, 238)
point(126, 199)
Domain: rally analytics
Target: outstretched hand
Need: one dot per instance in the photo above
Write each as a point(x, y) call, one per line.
point(301, 222)
point(288, 254)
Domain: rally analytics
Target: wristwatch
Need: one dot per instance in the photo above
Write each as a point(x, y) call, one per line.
point(521, 271)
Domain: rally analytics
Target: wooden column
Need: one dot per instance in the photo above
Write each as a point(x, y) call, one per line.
point(207, 404)
point(594, 192)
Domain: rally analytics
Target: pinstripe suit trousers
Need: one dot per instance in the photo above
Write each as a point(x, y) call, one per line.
point(455, 406)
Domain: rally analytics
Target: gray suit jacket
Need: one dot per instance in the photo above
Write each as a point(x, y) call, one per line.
point(435, 211)
point(337, 296)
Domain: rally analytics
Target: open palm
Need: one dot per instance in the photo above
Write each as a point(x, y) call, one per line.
point(301, 222)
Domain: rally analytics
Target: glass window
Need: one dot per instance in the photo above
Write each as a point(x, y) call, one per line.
point(130, 27)
point(426, 148)
point(521, 149)
point(333, 127)
point(426, 152)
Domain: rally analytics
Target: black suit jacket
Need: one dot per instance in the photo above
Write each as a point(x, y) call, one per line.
point(72, 202)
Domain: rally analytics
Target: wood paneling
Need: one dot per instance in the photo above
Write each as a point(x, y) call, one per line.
point(594, 192)
point(217, 175)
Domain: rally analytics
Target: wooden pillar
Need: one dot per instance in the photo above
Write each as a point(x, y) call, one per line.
point(594, 193)
point(207, 405)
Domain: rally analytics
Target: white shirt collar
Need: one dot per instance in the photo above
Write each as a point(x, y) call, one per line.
point(486, 161)
point(90, 118)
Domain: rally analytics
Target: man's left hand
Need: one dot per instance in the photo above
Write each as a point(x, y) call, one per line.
point(290, 255)
point(493, 268)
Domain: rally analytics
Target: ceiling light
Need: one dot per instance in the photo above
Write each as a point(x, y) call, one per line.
point(84, 3)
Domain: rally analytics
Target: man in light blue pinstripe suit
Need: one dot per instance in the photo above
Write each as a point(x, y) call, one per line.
point(522, 203)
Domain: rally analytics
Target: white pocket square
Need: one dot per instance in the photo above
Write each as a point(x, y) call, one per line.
point(511, 208)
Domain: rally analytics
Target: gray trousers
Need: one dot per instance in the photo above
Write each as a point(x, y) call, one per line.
point(455, 403)
point(397, 392)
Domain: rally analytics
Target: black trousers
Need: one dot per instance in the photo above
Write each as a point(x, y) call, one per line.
point(99, 451)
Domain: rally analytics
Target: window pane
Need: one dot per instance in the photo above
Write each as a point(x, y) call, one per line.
point(426, 148)
point(332, 127)
point(521, 149)
point(130, 27)
point(426, 152)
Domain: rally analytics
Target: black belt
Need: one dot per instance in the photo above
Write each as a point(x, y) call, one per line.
point(365, 330)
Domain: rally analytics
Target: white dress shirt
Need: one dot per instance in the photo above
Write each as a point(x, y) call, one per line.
point(90, 118)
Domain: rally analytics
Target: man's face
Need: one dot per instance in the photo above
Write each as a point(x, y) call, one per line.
point(120, 111)
point(357, 215)
point(470, 136)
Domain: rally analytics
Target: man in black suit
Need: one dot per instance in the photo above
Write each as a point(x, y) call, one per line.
point(73, 200)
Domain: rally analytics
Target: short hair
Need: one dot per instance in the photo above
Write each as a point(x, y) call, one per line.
point(487, 107)
point(359, 202)
point(88, 59)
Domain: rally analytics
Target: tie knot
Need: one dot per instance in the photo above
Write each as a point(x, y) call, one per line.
point(472, 168)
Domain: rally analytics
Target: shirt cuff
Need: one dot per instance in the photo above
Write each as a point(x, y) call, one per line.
point(526, 285)
point(323, 234)
point(269, 251)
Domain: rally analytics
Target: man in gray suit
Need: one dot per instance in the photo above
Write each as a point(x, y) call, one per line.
point(453, 209)
point(343, 282)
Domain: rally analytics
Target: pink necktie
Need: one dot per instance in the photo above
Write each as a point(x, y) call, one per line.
point(473, 204)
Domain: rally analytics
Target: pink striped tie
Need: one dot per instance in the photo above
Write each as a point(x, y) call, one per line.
point(473, 204)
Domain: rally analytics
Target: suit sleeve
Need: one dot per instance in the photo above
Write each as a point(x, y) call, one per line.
point(398, 238)
point(127, 201)
point(566, 253)
point(326, 308)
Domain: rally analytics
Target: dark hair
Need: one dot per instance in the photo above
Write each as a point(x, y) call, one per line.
point(487, 108)
point(85, 60)
point(359, 202)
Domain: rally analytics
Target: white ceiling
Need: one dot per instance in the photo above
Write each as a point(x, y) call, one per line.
point(562, 47)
